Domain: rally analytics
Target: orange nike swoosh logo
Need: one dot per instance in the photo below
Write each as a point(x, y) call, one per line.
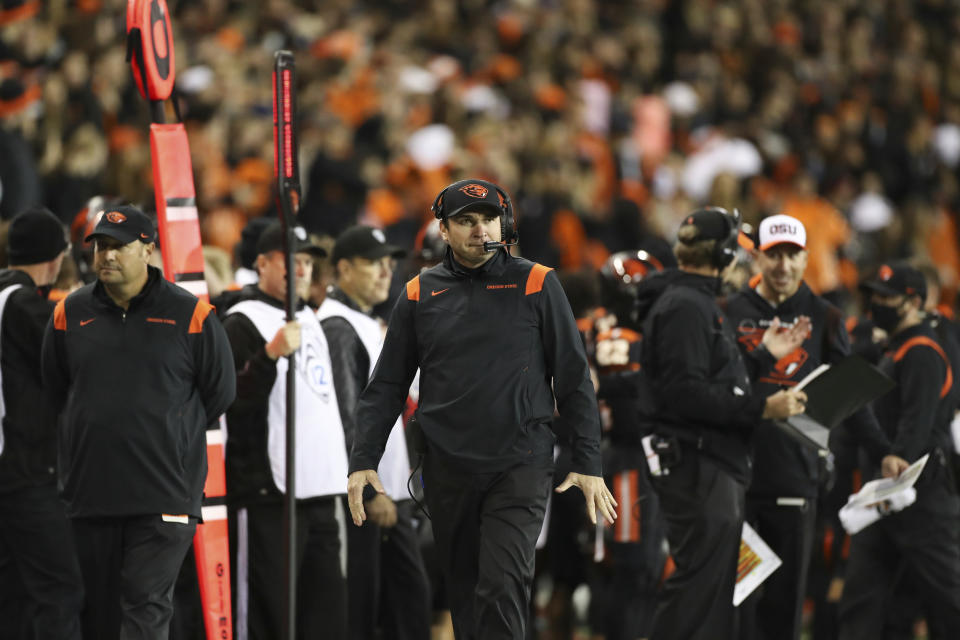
point(84, 323)
point(436, 293)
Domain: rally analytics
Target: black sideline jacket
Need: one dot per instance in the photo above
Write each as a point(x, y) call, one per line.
point(783, 467)
point(489, 342)
point(916, 415)
point(29, 457)
point(700, 388)
point(139, 389)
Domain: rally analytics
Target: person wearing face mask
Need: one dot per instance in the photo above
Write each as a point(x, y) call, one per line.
point(782, 497)
point(923, 540)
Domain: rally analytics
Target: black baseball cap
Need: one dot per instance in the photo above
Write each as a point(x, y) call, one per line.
point(125, 223)
point(469, 195)
point(712, 223)
point(361, 241)
point(897, 279)
point(271, 239)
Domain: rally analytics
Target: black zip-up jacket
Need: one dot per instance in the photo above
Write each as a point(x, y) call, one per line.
point(782, 466)
point(489, 342)
point(139, 389)
point(29, 457)
point(916, 415)
point(701, 390)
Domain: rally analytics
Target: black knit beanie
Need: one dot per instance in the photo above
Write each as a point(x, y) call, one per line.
point(35, 236)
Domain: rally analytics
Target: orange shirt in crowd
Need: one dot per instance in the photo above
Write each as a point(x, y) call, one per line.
point(827, 233)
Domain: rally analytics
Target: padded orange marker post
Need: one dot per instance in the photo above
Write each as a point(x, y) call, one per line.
point(150, 52)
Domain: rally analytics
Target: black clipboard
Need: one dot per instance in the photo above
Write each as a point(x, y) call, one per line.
point(834, 393)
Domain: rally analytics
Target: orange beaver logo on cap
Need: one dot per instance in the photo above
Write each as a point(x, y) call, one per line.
point(475, 190)
point(115, 217)
point(885, 273)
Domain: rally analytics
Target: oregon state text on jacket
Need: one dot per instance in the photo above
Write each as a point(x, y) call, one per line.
point(489, 342)
point(139, 389)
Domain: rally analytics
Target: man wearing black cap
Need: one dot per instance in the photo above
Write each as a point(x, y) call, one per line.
point(141, 369)
point(385, 570)
point(40, 587)
point(702, 412)
point(498, 350)
point(923, 540)
point(261, 337)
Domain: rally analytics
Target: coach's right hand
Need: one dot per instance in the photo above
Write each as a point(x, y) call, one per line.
point(355, 484)
point(783, 404)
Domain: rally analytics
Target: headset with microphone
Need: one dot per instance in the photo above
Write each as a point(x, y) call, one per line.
point(480, 191)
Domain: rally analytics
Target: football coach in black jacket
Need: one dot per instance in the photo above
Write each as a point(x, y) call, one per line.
point(703, 411)
point(490, 334)
point(141, 368)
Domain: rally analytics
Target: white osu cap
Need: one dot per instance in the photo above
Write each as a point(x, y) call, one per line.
point(782, 228)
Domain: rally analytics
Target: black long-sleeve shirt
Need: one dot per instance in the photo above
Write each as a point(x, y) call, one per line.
point(29, 456)
point(782, 466)
point(351, 365)
point(690, 358)
point(490, 343)
point(917, 414)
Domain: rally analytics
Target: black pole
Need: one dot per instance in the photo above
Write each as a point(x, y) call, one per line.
point(288, 197)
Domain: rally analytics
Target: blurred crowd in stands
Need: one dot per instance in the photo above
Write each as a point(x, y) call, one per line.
point(606, 120)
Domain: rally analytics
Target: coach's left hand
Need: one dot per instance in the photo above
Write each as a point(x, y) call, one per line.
point(596, 494)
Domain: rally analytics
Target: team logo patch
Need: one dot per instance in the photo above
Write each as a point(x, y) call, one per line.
point(885, 273)
point(378, 234)
point(115, 217)
point(475, 190)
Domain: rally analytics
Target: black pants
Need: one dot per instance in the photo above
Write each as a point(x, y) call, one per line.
point(704, 509)
point(486, 527)
point(917, 542)
point(40, 587)
point(387, 580)
point(256, 544)
point(624, 596)
point(775, 610)
point(129, 567)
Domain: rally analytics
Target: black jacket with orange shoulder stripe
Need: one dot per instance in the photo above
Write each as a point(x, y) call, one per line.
point(498, 349)
point(916, 415)
point(138, 390)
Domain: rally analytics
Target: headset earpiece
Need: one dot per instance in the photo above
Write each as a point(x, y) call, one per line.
point(726, 249)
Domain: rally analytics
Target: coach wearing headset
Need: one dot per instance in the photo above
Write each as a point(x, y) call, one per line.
point(702, 410)
point(498, 348)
